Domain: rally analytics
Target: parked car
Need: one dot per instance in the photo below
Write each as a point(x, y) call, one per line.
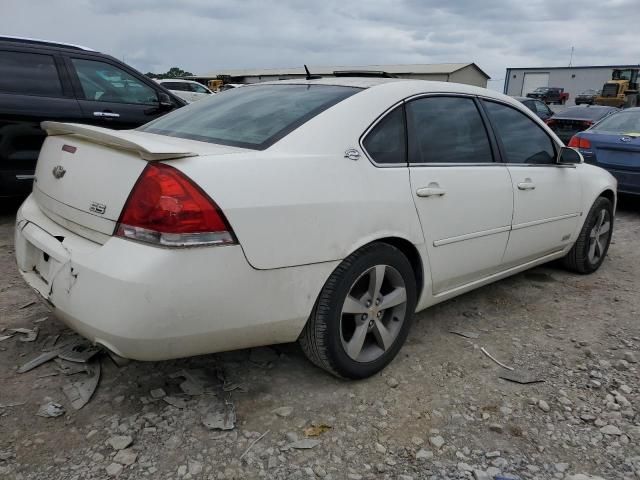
point(614, 144)
point(42, 80)
point(536, 106)
point(575, 119)
point(588, 97)
point(188, 90)
point(326, 211)
point(550, 95)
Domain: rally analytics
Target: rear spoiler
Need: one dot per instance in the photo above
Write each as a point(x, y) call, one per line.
point(145, 145)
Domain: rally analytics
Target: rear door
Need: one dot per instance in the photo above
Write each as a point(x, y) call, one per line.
point(463, 196)
point(33, 87)
point(112, 96)
point(547, 196)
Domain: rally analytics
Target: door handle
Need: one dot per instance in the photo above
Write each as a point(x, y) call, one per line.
point(527, 185)
point(106, 114)
point(433, 190)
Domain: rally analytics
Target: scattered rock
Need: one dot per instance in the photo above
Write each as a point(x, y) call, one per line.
point(114, 469)
point(437, 441)
point(157, 393)
point(544, 406)
point(392, 382)
point(120, 442)
point(126, 457)
point(50, 410)
point(610, 430)
point(305, 444)
point(424, 454)
point(630, 357)
point(194, 467)
point(283, 411)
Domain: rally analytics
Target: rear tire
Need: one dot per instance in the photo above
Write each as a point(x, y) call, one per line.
point(591, 247)
point(363, 313)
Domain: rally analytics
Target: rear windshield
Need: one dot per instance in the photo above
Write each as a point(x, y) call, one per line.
point(585, 113)
point(251, 117)
point(623, 122)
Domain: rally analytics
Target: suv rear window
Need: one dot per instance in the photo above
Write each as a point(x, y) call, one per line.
point(29, 74)
point(251, 117)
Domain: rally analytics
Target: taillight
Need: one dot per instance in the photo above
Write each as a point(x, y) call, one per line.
point(166, 208)
point(550, 122)
point(579, 142)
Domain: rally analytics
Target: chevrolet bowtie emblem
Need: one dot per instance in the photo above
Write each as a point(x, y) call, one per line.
point(58, 171)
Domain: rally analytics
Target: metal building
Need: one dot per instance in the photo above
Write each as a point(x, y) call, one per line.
point(574, 80)
point(468, 73)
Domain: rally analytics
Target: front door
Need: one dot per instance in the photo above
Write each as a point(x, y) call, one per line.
point(463, 196)
point(547, 196)
point(111, 97)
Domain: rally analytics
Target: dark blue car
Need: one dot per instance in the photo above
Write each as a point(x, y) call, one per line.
point(614, 144)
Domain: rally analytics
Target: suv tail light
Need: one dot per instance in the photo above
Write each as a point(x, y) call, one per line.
point(166, 208)
point(579, 142)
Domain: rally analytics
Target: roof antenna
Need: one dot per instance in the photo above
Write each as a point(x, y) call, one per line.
point(309, 76)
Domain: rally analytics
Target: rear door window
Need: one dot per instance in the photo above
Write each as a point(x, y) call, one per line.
point(446, 130)
point(29, 74)
point(523, 140)
point(250, 117)
point(103, 82)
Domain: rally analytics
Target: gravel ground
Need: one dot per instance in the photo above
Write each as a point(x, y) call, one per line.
point(439, 411)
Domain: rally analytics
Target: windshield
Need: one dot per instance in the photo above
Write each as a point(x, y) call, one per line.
point(623, 122)
point(588, 92)
point(541, 89)
point(251, 117)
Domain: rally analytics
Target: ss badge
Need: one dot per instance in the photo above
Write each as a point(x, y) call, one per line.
point(96, 207)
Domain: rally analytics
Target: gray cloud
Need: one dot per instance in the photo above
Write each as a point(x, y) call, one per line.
point(209, 35)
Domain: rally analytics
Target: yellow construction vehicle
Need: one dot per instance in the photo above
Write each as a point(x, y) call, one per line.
point(214, 85)
point(622, 90)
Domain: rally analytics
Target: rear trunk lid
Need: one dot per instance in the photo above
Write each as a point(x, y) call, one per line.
point(616, 151)
point(84, 174)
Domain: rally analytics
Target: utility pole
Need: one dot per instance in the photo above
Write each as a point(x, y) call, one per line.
point(571, 57)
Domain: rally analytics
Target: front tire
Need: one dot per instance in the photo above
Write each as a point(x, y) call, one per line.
point(591, 247)
point(363, 314)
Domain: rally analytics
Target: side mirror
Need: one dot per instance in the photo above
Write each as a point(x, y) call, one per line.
point(569, 156)
point(164, 102)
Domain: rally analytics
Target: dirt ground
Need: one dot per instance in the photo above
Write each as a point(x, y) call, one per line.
point(439, 411)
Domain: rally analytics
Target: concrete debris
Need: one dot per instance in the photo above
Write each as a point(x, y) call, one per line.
point(483, 350)
point(221, 418)
point(79, 392)
point(465, 334)
point(120, 442)
point(81, 352)
point(521, 377)
point(51, 410)
point(178, 402)
point(126, 457)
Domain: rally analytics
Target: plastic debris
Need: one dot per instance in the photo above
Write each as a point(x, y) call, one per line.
point(39, 360)
point(29, 334)
point(220, 418)
point(483, 350)
point(5, 337)
point(28, 304)
point(11, 404)
point(523, 378)
point(196, 382)
point(79, 392)
point(70, 368)
point(80, 351)
point(316, 430)
point(253, 443)
point(50, 343)
point(43, 319)
point(51, 410)
point(465, 334)
point(117, 359)
point(305, 444)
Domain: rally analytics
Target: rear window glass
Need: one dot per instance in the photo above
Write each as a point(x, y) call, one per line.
point(29, 74)
point(586, 113)
point(623, 122)
point(250, 117)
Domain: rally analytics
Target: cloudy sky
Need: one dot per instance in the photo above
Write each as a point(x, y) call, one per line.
point(208, 35)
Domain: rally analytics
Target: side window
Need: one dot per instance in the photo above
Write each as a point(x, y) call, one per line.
point(385, 143)
point(103, 82)
point(446, 130)
point(523, 140)
point(29, 74)
point(543, 109)
point(195, 87)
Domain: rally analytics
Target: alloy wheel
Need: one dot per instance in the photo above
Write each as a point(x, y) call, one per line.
point(598, 237)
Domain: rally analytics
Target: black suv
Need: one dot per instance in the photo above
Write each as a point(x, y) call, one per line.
point(42, 80)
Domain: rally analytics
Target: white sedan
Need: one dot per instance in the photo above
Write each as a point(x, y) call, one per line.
point(325, 211)
point(187, 90)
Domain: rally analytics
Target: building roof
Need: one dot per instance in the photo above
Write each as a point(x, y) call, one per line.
point(575, 67)
point(418, 68)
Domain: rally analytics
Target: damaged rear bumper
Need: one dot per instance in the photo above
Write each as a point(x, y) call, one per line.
point(149, 303)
